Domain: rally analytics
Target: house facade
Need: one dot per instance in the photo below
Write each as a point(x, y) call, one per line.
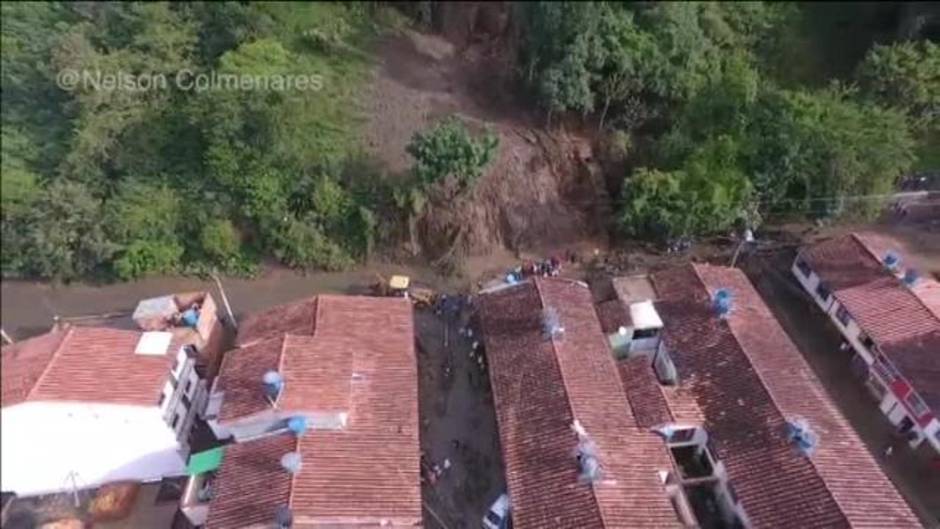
point(85, 406)
point(889, 317)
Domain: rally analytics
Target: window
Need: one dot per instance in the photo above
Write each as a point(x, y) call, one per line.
point(843, 316)
point(804, 268)
point(866, 341)
point(186, 389)
point(645, 333)
point(916, 404)
point(176, 420)
point(822, 291)
point(174, 382)
point(186, 402)
point(162, 398)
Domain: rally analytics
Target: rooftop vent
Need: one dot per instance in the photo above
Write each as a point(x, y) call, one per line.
point(722, 302)
point(154, 343)
point(297, 425)
point(291, 462)
point(551, 323)
point(273, 385)
point(892, 260)
point(587, 455)
point(910, 277)
point(801, 435)
point(283, 517)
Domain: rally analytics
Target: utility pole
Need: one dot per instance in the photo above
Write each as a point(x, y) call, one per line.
point(748, 237)
point(228, 308)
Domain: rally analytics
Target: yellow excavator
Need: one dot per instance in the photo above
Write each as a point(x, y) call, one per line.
point(401, 286)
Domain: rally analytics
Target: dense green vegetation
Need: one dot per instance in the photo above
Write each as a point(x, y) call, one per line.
point(130, 182)
point(725, 114)
point(733, 138)
point(449, 151)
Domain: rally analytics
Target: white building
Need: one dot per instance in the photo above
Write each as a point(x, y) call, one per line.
point(891, 319)
point(84, 406)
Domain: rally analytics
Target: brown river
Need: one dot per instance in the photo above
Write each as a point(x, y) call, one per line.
point(28, 307)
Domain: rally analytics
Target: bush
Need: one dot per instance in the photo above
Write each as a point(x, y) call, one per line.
point(142, 258)
point(220, 241)
point(448, 150)
point(303, 245)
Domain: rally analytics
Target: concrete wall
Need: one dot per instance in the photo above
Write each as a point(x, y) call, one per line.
point(43, 442)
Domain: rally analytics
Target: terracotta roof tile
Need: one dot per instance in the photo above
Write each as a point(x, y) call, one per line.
point(368, 471)
point(90, 364)
point(289, 318)
point(240, 378)
point(23, 363)
point(748, 378)
point(251, 484)
point(843, 262)
point(540, 387)
point(643, 392)
point(612, 315)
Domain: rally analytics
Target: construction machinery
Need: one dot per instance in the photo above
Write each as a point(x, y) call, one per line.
point(402, 286)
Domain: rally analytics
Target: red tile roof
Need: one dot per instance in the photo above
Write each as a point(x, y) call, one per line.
point(540, 387)
point(23, 363)
point(240, 378)
point(748, 378)
point(367, 472)
point(904, 322)
point(251, 483)
point(87, 364)
point(613, 314)
point(289, 318)
point(843, 262)
point(643, 392)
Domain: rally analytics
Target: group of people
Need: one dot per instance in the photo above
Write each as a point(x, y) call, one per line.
point(550, 267)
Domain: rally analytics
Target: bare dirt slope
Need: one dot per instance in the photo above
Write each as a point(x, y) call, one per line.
point(541, 191)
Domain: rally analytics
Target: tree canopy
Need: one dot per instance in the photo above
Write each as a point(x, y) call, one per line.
point(177, 179)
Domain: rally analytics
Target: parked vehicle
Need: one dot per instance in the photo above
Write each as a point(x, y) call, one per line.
point(498, 515)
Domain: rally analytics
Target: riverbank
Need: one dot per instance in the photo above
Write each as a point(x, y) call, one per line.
point(27, 308)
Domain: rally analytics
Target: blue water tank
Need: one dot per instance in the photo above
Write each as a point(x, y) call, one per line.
point(273, 384)
point(297, 425)
point(722, 302)
point(190, 318)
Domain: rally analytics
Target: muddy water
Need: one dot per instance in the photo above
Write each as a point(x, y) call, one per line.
point(27, 308)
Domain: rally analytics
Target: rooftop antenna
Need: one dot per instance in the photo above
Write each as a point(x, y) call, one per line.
point(551, 323)
point(291, 462)
point(228, 308)
point(273, 385)
point(722, 302)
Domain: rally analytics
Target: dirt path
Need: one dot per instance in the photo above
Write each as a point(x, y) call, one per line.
point(458, 425)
